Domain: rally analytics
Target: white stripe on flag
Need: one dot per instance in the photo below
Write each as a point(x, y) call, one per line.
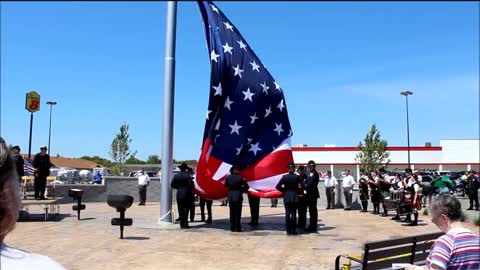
point(265, 183)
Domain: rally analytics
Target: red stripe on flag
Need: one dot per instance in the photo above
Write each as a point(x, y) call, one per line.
point(273, 164)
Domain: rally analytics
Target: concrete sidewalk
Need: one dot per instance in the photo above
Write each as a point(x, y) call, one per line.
point(93, 244)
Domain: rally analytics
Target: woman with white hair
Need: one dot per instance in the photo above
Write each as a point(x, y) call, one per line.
point(458, 248)
point(12, 258)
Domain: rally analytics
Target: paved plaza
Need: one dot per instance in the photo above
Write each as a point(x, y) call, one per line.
point(92, 243)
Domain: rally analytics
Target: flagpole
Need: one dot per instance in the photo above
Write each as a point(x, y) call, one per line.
point(168, 106)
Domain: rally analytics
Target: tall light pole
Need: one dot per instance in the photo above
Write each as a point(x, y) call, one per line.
point(406, 94)
point(51, 103)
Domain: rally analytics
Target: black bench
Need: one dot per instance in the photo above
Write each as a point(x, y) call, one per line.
point(382, 254)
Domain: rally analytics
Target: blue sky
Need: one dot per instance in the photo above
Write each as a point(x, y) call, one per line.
point(342, 66)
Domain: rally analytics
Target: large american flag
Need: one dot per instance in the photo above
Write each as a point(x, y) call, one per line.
point(247, 120)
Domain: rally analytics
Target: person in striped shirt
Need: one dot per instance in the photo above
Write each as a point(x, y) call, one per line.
point(458, 248)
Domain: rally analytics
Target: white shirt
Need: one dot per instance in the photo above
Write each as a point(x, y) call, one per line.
point(330, 181)
point(143, 179)
point(16, 259)
point(348, 181)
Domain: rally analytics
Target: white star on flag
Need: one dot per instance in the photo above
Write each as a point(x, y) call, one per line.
point(239, 150)
point(242, 45)
point(268, 111)
point(218, 89)
point(254, 66)
point(208, 113)
point(217, 126)
point(265, 88)
point(280, 105)
point(235, 128)
point(238, 71)
point(277, 86)
point(227, 48)
point(253, 117)
point(278, 128)
point(229, 26)
point(214, 56)
point(227, 104)
point(214, 8)
point(248, 95)
point(254, 148)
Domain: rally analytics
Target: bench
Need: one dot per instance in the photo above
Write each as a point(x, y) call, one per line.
point(382, 254)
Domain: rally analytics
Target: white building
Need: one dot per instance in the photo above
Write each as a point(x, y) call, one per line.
point(450, 155)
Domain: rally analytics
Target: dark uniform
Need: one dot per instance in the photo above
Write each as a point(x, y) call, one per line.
point(19, 165)
point(302, 200)
point(384, 188)
point(183, 183)
point(363, 187)
point(42, 165)
point(254, 203)
point(236, 187)
point(209, 210)
point(311, 188)
point(290, 186)
point(375, 195)
point(472, 188)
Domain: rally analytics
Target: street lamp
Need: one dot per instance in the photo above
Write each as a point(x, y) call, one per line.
point(51, 103)
point(406, 94)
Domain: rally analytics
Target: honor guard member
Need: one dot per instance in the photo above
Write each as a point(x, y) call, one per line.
point(183, 183)
point(236, 187)
point(18, 162)
point(363, 187)
point(302, 199)
point(312, 196)
point(290, 186)
point(209, 203)
point(473, 184)
point(254, 203)
point(192, 197)
point(41, 164)
point(384, 187)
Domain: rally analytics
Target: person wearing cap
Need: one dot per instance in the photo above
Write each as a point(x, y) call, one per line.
point(311, 187)
point(183, 183)
point(384, 188)
point(41, 164)
point(302, 200)
point(236, 187)
point(290, 186)
point(473, 185)
point(18, 162)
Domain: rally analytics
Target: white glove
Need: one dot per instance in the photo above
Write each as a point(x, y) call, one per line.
point(351, 191)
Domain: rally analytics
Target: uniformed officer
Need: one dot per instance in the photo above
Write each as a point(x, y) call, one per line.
point(209, 203)
point(254, 203)
point(41, 164)
point(290, 185)
point(236, 187)
point(312, 196)
point(18, 162)
point(183, 183)
point(302, 199)
point(192, 197)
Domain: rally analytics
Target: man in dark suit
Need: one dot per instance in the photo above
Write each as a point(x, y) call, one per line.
point(236, 187)
point(302, 200)
point(18, 162)
point(183, 183)
point(312, 196)
point(209, 203)
point(41, 164)
point(290, 185)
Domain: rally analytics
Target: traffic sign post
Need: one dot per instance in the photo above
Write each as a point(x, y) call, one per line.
point(32, 104)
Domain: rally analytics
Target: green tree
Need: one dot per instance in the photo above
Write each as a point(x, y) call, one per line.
point(373, 151)
point(120, 149)
point(133, 160)
point(153, 159)
point(99, 160)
